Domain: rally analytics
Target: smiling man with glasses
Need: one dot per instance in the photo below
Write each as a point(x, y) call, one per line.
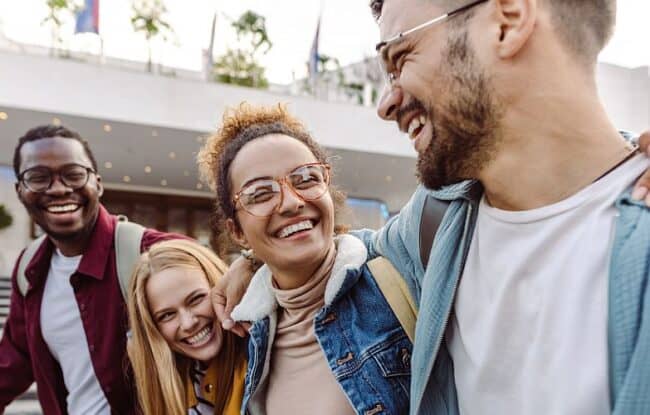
point(67, 329)
point(535, 299)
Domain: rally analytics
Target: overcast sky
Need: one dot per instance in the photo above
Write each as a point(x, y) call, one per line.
point(347, 31)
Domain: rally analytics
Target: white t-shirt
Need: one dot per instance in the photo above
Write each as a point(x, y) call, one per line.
point(65, 336)
point(529, 330)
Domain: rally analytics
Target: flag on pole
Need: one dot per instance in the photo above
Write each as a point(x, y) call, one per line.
point(88, 18)
point(208, 54)
point(211, 46)
point(313, 54)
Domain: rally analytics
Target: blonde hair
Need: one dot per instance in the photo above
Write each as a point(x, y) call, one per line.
point(160, 374)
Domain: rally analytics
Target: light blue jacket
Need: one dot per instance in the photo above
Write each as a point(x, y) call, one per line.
point(364, 344)
point(433, 389)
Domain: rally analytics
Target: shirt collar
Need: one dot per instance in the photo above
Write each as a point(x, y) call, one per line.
point(470, 190)
point(95, 256)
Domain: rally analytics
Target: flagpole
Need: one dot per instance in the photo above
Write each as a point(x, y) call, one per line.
point(314, 57)
point(102, 58)
point(209, 61)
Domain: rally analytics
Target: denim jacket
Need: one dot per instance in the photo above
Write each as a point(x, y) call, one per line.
point(433, 388)
point(371, 362)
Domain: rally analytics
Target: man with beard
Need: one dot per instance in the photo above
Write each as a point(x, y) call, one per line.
point(68, 330)
point(535, 299)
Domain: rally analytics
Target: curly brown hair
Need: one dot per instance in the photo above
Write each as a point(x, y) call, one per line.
point(239, 126)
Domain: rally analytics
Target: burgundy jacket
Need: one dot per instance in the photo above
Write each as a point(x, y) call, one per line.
point(24, 355)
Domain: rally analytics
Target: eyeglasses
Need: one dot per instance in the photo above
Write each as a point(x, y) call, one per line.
point(262, 197)
point(390, 75)
point(39, 179)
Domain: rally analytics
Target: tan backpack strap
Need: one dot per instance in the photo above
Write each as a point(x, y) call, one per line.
point(396, 292)
point(30, 251)
point(128, 240)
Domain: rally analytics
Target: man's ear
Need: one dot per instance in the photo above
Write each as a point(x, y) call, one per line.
point(19, 191)
point(100, 186)
point(236, 233)
point(517, 20)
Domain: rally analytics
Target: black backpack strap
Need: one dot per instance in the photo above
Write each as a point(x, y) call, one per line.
point(432, 214)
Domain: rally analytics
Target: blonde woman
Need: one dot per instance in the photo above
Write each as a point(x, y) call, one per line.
point(183, 361)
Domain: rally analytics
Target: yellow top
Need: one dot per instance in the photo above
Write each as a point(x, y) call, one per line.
point(209, 388)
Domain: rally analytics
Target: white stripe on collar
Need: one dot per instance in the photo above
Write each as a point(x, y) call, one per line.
point(259, 300)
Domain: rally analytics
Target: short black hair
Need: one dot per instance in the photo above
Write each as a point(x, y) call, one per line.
point(50, 131)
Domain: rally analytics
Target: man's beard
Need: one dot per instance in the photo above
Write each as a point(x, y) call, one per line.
point(465, 129)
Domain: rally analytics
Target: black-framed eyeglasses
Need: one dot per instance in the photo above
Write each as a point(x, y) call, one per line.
point(40, 178)
point(391, 76)
point(262, 197)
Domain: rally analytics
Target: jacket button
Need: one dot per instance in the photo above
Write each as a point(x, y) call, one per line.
point(345, 359)
point(379, 408)
point(208, 388)
point(92, 348)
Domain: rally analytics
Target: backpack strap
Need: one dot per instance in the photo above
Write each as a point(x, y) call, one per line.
point(394, 289)
point(432, 214)
point(28, 254)
point(128, 240)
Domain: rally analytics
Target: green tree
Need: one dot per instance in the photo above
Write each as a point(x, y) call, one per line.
point(240, 65)
point(5, 218)
point(148, 19)
point(57, 11)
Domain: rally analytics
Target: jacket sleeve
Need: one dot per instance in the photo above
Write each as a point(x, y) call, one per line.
point(15, 363)
point(398, 241)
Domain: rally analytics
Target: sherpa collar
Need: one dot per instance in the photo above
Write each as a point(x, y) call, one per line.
point(259, 300)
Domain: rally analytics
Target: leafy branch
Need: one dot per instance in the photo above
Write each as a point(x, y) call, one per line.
point(5, 218)
point(240, 66)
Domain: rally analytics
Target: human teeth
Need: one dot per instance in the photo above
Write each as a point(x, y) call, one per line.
point(414, 125)
point(62, 208)
point(199, 336)
point(423, 119)
point(296, 227)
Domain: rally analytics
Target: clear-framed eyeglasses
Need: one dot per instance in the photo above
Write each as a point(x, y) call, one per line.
point(263, 197)
point(387, 68)
point(40, 178)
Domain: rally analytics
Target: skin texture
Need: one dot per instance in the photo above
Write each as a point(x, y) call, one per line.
point(293, 259)
point(69, 231)
point(558, 143)
point(179, 301)
point(462, 115)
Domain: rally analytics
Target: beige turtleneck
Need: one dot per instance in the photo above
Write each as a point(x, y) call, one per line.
point(300, 380)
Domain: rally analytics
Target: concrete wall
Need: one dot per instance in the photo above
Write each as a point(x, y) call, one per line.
point(76, 88)
point(14, 238)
